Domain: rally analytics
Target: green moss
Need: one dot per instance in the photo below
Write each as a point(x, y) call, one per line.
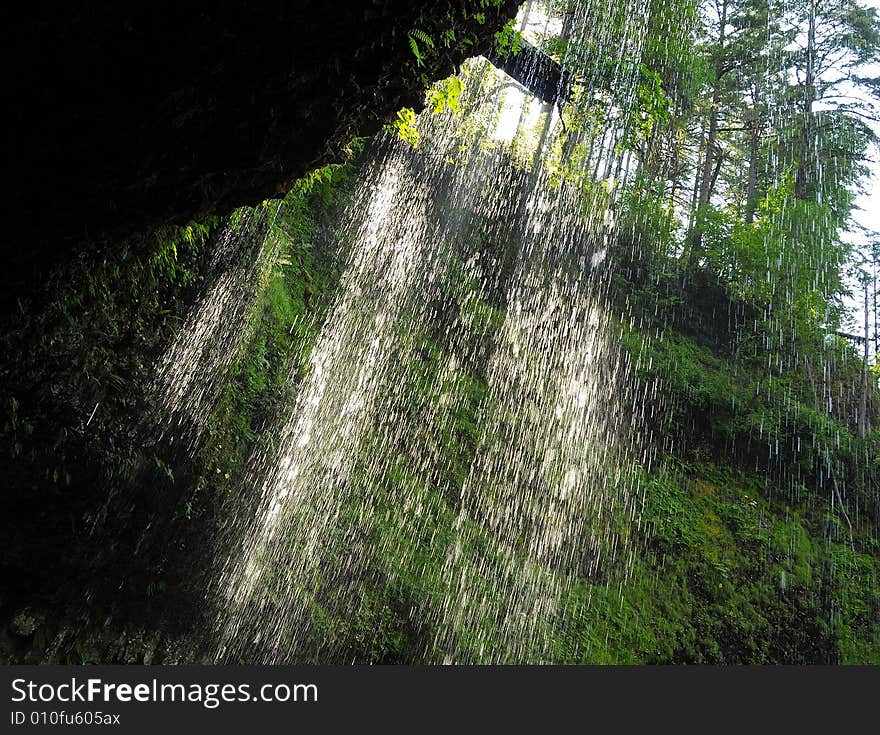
point(285, 320)
point(709, 587)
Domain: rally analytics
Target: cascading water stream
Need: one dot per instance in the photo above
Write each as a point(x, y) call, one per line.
point(336, 403)
point(482, 266)
point(190, 374)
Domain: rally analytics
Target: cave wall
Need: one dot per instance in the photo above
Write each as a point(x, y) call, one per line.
point(125, 117)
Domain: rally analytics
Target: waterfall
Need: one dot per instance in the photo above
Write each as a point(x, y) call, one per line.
point(562, 369)
point(474, 285)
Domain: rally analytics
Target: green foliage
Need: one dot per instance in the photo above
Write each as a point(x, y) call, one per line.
point(415, 36)
point(459, 27)
point(445, 95)
point(727, 577)
point(286, 319)
point(509, 40)
point(405, 125)
point(652, 107)
point(74, 394)
point(88, 346)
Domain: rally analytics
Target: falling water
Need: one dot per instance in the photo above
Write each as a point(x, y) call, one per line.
point(459, 461)
point(191, 372)
point(473, 294)
point(546, 465)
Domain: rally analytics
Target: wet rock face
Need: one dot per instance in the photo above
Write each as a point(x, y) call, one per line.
point(128, 116)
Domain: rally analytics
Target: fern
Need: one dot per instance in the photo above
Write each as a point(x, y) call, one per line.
point(423, 37)
point(416, 35)
point(415, 49)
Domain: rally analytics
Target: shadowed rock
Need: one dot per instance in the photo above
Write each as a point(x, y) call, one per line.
point(535, 71)
point(128, 116)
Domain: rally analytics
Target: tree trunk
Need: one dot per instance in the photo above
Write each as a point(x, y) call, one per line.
point(863, 394)
point(752, 180)
point(804, 170)
point(707, 180)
